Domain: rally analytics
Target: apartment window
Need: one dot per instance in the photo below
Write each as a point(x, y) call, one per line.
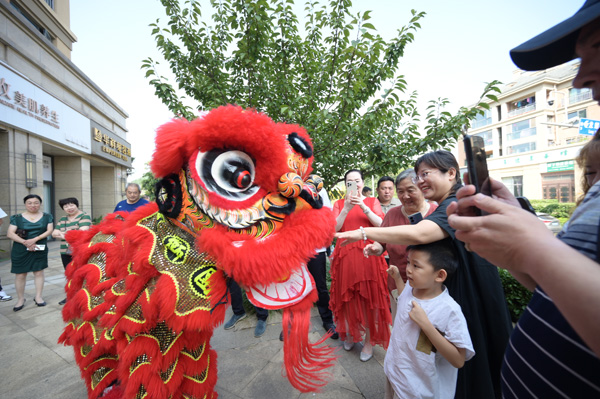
point(50, 3)
point(575, 116)
point(516, 149)
point(37, 26)
point(578, 95)
point(482, 120)
point(500, 141)
point(521, 106)
point(514, 184)
point(520, 130)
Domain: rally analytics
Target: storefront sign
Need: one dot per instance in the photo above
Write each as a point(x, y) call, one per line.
point(588, 127)
point(110, 146)
point(27, 107)
point(560, 166)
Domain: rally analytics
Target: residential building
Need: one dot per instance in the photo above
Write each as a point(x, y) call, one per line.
point(532, 134)
point(60, 134)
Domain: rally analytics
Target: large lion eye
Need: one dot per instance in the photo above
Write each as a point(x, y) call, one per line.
point(228, 173)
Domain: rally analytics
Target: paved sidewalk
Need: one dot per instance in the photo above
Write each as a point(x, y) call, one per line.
point(35, 366)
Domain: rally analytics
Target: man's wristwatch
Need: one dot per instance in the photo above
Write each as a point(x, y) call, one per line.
point(525, 204)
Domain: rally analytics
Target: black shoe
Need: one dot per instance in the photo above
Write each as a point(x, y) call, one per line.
point(281, 336)
point(63, 301)
point(17, 308)
point(331, 327)
point(39, 303)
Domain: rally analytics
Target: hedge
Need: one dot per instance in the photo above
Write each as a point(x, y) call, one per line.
point(517, 296)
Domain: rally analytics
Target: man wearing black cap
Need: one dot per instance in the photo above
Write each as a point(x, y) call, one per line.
point(546, 356)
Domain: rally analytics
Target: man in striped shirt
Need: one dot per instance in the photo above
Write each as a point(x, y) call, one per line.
point(553, 351)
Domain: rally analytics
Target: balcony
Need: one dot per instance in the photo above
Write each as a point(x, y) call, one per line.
point(521, 110)
point(481, 123)
point(532, 131)
point(579, 97)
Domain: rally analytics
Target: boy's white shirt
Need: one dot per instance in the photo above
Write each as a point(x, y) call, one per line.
point(2, 214)
point(414, 374)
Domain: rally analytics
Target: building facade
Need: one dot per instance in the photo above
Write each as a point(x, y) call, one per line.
point(535, 131)
point(60, 134)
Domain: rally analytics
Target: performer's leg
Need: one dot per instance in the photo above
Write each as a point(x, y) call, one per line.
point(237, 303)
point(317, 266)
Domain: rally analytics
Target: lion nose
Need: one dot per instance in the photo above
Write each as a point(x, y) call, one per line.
point(290, 185)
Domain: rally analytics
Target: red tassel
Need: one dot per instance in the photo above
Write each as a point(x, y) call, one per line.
point(305, 361)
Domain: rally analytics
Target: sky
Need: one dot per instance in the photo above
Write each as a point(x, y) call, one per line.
point(461, 45)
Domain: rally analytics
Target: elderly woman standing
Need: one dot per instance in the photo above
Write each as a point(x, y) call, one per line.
point(475, 286)
point(29, 251)
point(359, 300)
point(76, 219)
point(413, 202)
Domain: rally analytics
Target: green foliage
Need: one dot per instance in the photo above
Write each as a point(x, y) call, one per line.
point(97, 220)
point(560, 210)
point(339, 79)
point(148, 183)
point(517, 296)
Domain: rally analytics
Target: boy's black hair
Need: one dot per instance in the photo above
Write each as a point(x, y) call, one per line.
point(441, 255)
point(70, 200)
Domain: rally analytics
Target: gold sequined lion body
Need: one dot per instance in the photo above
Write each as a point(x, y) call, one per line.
point(146, 290)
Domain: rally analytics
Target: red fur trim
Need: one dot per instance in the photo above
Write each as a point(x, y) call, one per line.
point(301, 234)
point(115, 392)
point(304, 361)
point(224, 127)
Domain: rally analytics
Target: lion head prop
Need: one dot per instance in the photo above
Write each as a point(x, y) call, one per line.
point(145, 290)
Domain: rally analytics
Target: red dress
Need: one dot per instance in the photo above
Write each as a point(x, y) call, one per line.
point(359, 297)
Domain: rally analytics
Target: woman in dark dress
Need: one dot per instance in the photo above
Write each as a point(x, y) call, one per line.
point(475, 286)
point(29, 251)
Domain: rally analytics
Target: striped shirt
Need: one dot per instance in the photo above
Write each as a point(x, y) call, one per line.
point(545, 357)
point(64, 225)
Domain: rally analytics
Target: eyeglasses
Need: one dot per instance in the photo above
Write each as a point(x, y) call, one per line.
point(422, 176)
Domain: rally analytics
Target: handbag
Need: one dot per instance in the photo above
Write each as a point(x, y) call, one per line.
point(21, 232)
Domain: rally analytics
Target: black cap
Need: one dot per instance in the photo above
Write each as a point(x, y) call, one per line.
point(556, 45)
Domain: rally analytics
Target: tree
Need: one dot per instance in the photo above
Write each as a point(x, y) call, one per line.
point(148, 183)
point(338, 79)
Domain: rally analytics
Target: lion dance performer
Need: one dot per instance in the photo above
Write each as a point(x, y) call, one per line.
point(145, 290)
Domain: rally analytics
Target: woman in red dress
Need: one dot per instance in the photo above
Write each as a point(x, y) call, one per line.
point(359, 299)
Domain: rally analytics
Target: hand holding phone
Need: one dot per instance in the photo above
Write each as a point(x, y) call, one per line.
point(351, 189)
point(477, 166)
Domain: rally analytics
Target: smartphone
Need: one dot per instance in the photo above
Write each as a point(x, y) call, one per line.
point(477, 165)
point(415, 218)
point(351, 188)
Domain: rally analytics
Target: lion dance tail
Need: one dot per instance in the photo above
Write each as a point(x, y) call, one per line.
point(305, 361)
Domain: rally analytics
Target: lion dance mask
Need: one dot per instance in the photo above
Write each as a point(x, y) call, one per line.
point(146, 290)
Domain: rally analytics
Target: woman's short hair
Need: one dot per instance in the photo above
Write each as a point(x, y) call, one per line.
point(30, 196)
point(67, 201)
point(354, 170)
point(405, 174)
point(443, 161)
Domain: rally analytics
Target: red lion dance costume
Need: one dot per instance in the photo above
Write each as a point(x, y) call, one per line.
point(145, 290)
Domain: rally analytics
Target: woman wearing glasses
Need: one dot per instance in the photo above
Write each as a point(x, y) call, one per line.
point(475, 286)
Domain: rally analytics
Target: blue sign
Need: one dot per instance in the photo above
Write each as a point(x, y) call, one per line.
point(588, 126)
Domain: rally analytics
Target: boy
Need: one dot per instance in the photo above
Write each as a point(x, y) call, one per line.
point(430, 340)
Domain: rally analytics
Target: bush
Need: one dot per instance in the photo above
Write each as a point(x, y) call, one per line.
point(554, 208)
point(517, 296)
